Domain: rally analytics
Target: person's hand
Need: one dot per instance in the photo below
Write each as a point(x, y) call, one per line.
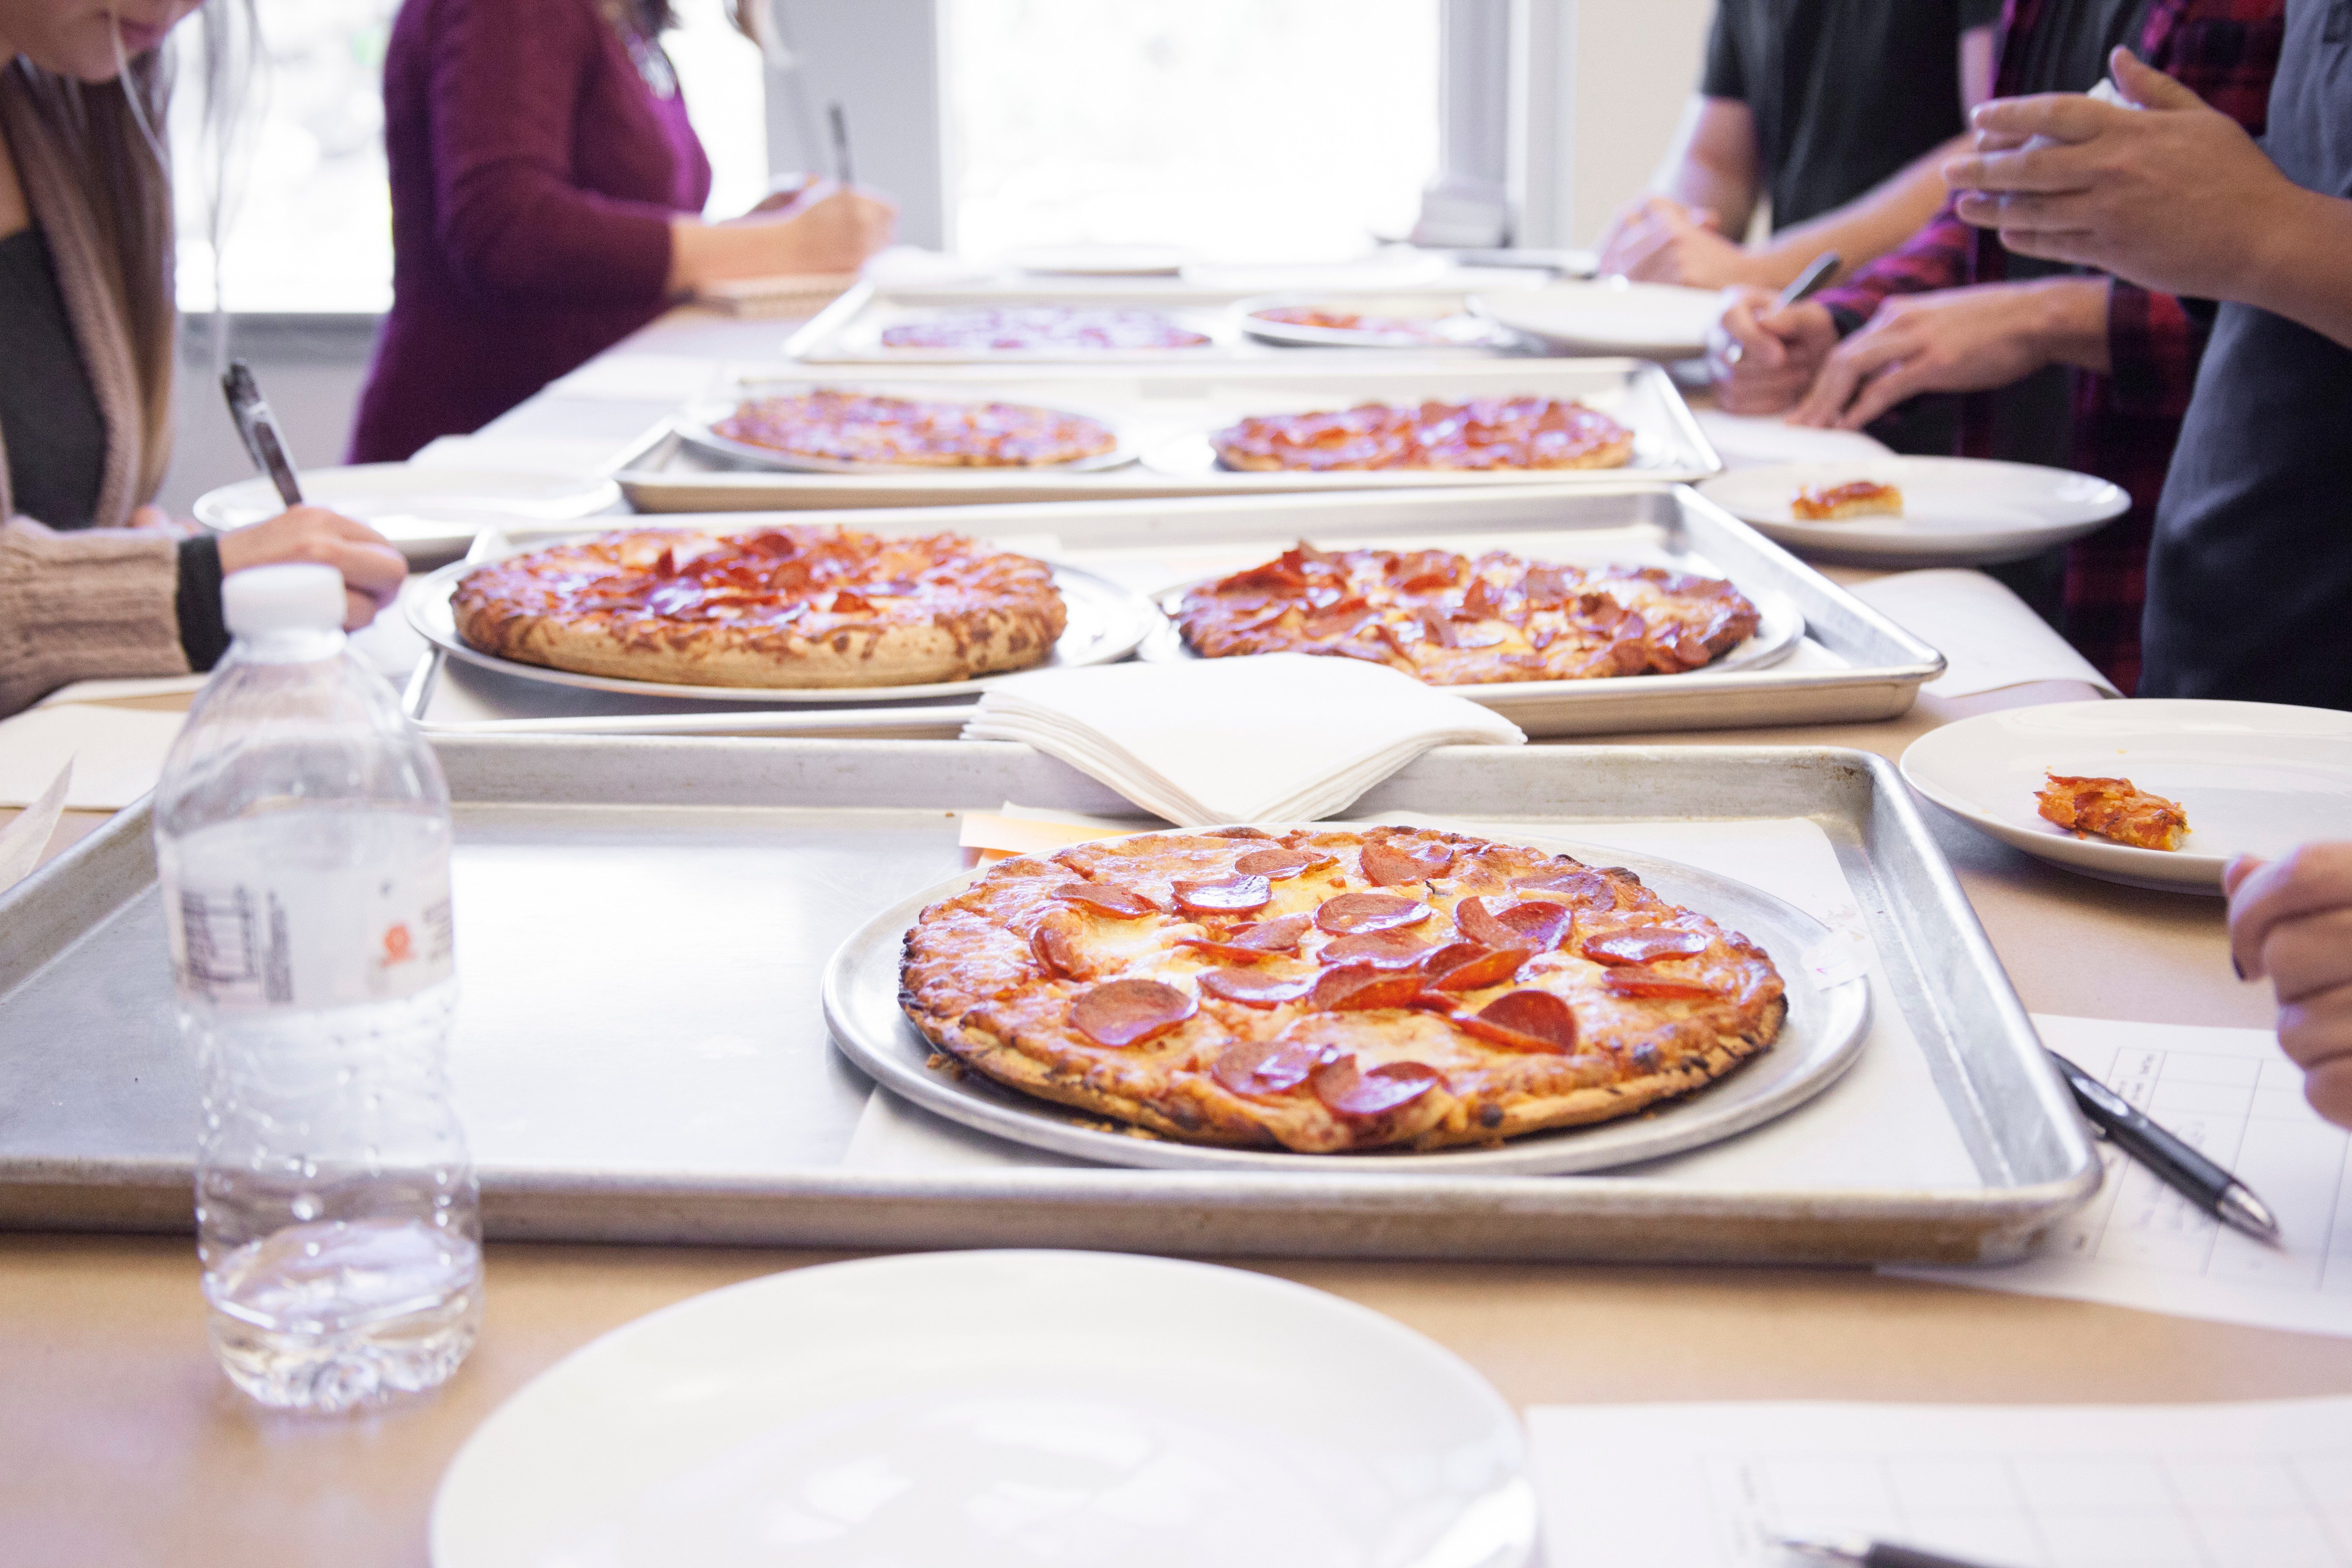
point(1659, 240)
point(153, 518)
point(2169, 195)
point(2291, 919)
point(1953, 340)
point(1763, 360)
point(823, 227)
point(372, 568)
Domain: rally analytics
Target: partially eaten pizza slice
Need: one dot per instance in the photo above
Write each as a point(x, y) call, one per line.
point(2114, 809)
point(1860, 497)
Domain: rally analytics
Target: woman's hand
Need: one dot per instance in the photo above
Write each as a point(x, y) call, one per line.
point(1659, 240)
point(823, 227)
point(1957, 339)
point(2291, 918)
point(372, 568)
point(1763, 359)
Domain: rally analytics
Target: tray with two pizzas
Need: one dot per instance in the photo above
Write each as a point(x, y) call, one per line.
point(685, 962)
point(1570, 611)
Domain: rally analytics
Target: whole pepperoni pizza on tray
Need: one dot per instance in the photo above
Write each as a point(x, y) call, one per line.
point(1324, 992)
point(1481, 434)
point(838, 430)
point(1458, 620)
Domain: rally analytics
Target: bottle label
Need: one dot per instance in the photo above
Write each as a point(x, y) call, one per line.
point(285, 938)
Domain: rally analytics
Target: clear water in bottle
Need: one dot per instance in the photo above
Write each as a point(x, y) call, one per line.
point(302, 838)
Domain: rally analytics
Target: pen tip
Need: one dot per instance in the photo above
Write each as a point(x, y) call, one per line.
point(2248, 1213)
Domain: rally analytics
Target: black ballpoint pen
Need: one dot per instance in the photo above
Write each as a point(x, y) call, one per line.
point(2174, 1163)
point(840, 168)
point(1871, 1554)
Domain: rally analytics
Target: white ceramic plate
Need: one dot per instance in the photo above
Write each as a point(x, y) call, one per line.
point(998, 1410)
point(1821, 1038)
point(420, 506)
point(696, 425)
point(1099, 260)
point(1645, 320)
point(2255, 778)
point(1957, 511)
point(1780, 627)
point(1106, 623)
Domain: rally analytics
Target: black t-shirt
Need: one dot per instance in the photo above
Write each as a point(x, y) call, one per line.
point(2250, 578)
point(1845, 93)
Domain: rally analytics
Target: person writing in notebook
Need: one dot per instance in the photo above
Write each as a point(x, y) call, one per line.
point(95, 582)
point(2291, 923)
point(1835, 112)
point(546, 187)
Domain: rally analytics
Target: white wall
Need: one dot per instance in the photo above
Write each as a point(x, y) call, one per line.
point(312, 375)
point(1633, 63)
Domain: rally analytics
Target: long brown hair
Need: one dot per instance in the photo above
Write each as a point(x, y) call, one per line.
point(108, 139)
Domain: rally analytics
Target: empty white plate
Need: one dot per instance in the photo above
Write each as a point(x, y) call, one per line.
point(1645, 321)
point(998, 1410)
point(1099, 260)
point(2255, 778)
point(1957, 511)
point(419, 507)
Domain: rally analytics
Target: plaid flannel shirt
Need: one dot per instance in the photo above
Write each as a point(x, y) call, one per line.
point(2125, 422)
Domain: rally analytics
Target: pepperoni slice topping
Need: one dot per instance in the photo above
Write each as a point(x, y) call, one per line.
point(1642, 946)
point(1357, 987)
point(1351, 1092)
point(1266, 1067)
point(1539, 923)
point(1275, 864)
point(1474, 921)
point(1352, 912)
point(1225, 895)
point(1239, 833)
point(1478, 969)
point(1639, 981)
point(1581, 887)
point(1119, 903)
point(1535, 1013)
point(1393, 864)
point(1279, 934)
point(1230, 953)
point(1122, 1013)
point(1056, 953)
point(1252, 989)
point(1380, 949)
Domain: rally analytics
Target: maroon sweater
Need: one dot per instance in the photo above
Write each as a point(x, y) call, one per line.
point(534, 175)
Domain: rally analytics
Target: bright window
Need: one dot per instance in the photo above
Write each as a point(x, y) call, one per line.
point(1243, 130)
point(308, 216)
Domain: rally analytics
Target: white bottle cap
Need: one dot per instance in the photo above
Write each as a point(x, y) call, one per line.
point(295, 595)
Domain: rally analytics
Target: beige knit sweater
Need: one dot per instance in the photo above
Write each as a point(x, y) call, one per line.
point(100, 602)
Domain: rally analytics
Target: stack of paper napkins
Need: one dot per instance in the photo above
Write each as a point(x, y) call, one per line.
point(1282, 737)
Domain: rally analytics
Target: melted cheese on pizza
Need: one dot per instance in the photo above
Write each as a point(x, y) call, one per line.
point(1483, 433)
point(864, 427)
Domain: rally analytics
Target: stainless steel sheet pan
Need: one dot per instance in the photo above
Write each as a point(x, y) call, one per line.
point(1154, 407)
point(640, 1055)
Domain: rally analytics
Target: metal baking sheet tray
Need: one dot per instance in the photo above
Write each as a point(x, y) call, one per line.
point(1165, 414)
point(1853, 664)
point(642, 928)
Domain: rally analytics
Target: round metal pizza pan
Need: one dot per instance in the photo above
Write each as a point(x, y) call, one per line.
point(698, 427)
point(1106, 623)
point(1780, 627)
point(1828, 1013)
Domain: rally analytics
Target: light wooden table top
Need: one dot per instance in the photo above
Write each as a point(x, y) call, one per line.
point(121, 1443)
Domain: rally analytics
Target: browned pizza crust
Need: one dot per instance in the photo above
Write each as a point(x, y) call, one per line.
point(1009, 976)
point(781, 607)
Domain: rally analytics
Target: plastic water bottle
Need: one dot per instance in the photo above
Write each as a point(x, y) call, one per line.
point(302, 835)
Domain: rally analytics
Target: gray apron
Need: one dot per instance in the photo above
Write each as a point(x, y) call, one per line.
point(2250, 581)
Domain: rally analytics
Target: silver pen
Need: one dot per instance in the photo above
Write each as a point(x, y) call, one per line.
point(1859, 1552)
point(1802, 286)
point(2169, 1158)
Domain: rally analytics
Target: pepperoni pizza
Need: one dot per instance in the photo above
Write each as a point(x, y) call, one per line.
point(1453, 620)
point(791, 606)
point(860, 428)
point(1326, 992)
point(1486, 433)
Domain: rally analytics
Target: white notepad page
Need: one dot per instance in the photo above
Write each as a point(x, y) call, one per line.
point(2265, 1485)
point(2232, 1094)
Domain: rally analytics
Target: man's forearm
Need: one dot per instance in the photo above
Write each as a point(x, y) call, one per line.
point(1872, 223)
point(2299, 264)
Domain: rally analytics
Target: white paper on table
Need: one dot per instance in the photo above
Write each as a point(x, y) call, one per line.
point(136, 686)
point(117, 753)
point(2232, 1094)
point(526, 454)
point(1884, 1124)
point(1990, 639)
point(1756, 441)
point(2262, 1484)
point(22, 841)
